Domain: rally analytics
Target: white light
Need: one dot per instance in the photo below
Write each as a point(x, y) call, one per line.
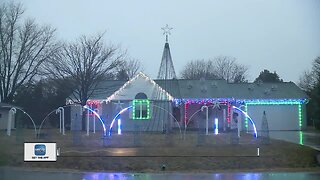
point(216, 126)
point(131, 80)
point(119, 126)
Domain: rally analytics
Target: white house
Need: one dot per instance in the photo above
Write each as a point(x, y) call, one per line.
point(145, 104)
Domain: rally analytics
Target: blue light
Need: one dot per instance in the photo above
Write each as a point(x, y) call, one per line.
point(116, 117)
point(240, 101)
point(96, 114)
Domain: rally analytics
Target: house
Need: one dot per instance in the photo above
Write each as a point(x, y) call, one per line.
point(144, 104)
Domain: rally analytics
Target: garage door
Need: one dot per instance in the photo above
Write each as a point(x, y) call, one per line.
point(280, 117)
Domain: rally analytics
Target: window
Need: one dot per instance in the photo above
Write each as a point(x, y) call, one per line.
point(141, 109)
point(141, 96)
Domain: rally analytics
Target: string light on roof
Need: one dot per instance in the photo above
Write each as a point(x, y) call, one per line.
point(243, 101)
point(140, 74)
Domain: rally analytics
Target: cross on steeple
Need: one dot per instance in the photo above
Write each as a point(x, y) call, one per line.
point(166, 31)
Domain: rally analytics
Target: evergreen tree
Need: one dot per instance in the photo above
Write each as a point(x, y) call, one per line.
point(267, 76)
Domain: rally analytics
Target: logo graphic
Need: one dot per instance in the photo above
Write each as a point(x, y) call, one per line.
point(40, 149)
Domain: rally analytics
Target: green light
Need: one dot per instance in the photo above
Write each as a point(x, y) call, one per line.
point(300, 115)
point(246, 121)
point(273, 103)
point(301, 137)
point(140, 103)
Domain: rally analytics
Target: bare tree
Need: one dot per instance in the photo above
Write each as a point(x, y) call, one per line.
point(311, 78)
point(222, 67)
point(316, 68)
point(307, 81)
point(129, 69)
point(133, 67)
point(197, 69)
point(227, 68)
point(86, 62)
point(24, 47)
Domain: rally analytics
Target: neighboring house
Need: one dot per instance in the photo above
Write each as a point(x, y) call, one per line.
point(161, 105)
point(4, 115)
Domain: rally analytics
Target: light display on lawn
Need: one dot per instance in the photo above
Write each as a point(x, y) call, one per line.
point(245, 102)
point(96, 114)
point(117, 117)
point(215, 104)
point(254, 126)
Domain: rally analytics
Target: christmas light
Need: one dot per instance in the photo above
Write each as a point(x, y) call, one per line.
point(282, 102)
point(246, 120)
point(300, 116)
point(301, 137)
point(140, 74)
point(119, 126)
point(140, 103)
point(228, 113)
point(254, 126)
point(240, 101)
point(185, 114)
point(216, 126)
point(116, 117)
point(215, 104)
point(264, 102)
point(201, 101)
point(93, 104)
point(96, 114)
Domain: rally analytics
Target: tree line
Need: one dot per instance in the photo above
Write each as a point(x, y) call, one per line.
point(310, 83)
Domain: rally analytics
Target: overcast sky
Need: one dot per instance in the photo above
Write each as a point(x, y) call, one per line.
point(278, 35)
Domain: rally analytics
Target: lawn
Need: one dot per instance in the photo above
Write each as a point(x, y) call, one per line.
point(151, 151)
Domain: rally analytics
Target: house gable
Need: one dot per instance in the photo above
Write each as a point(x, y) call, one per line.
point(140, 84)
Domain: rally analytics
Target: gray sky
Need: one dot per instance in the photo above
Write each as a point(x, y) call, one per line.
point(279, 35)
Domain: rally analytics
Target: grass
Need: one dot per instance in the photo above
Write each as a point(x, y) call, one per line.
point(147, 152)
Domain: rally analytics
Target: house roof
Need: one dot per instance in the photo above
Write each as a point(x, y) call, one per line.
point(6, 106)
point(140, 83)
point(194, 89)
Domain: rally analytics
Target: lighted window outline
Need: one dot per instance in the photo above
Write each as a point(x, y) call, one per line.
point(141, 103)
point(276, 103)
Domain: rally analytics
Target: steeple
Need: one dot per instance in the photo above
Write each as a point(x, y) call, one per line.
point(166, 70)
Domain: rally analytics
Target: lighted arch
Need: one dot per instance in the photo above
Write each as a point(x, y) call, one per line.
point(99, 117)
point(254, 126)
point(116, 117)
